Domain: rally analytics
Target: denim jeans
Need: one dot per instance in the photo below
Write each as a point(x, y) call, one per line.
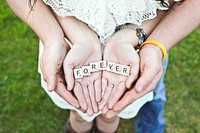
point(151, 115)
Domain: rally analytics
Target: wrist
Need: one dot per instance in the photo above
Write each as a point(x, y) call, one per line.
point(139, 34)
point(152, 47)
point(123, 36)
point(62, 43)
point(158, 45)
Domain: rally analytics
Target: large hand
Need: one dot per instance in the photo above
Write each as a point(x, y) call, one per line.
point(151, 72)
point(82, 54)
point(120, 51)
point(51, 67)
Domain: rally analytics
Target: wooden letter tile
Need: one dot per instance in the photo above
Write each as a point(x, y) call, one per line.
point(94, 67)
point(125, 70)
point(118, 68)
point(78, 73)
point(110, 67)
point(102, 65)
point(86, 70)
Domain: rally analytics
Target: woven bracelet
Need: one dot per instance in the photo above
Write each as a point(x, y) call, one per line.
point(140, 33)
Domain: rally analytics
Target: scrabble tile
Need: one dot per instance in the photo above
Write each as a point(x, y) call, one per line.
point(110, 67)
point(102, 65)
point(118, 68)
point(86, 70)
point(94, 66)
point(78, 73)
point(125, 70)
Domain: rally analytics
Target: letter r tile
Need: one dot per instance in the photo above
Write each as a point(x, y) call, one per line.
point(125, 70)
point(94, 66)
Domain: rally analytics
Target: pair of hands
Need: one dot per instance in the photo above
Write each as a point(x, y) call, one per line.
point(93, 93)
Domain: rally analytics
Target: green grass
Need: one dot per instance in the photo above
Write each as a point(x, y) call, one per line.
point(25, 108)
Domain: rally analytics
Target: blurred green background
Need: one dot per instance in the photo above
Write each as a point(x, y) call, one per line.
point(25, 108)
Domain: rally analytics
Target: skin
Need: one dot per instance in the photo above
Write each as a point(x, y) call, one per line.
point(55, 47)
point(120, 49)
point(87, 45)
point(151, 64)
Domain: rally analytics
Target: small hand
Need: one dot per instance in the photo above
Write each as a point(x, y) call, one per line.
point(120, 52)
point(151, 72)
point(86, 49)
point(82, 54)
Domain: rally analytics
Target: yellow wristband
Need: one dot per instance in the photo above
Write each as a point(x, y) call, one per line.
point(159, 44)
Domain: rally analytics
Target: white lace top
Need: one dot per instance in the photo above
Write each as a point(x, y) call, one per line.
point(103, 16)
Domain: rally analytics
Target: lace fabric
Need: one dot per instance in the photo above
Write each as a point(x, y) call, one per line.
point(103, 16)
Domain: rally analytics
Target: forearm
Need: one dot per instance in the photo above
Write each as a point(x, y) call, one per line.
point(129, 35)
point(76, 30)
point(41, 20)
point(178, 23)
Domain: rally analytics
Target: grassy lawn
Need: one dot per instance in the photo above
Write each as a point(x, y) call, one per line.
point(25, 108)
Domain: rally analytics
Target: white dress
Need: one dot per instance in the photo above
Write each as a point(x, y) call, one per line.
point(103, 16)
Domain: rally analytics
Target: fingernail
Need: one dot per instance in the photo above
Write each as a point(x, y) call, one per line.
point(140, 88)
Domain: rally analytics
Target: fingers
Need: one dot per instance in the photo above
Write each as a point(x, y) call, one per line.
point(97, 85)
point(132, 95)
point(78, 92)
point(155, 81)
point(92, 97)
point(133, 75)
point(111, 113)
point(116, 94)
point(66, 95)
point(125, 101)
point(105, 109)
point(146, 78)
point(51, 80)
point(69, 77)
point(49, 71)
point(87, 97)
point(105, 97)
point(104, 84)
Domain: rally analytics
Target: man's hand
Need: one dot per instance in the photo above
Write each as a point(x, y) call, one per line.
point(51, 66)
point(151, 72)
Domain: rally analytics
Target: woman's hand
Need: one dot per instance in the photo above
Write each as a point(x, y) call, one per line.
point(151, 72)
point(119, 50)
point(85, 50)
point(80, 55)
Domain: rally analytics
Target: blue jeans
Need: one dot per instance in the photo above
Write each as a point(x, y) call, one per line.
point(151, 115)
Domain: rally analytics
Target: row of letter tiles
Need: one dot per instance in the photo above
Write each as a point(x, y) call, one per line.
point(101, 65)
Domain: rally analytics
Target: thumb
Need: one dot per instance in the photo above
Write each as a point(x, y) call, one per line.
point(52, 60)
point(49, 72)
point(51, 82)
point(145, 79)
